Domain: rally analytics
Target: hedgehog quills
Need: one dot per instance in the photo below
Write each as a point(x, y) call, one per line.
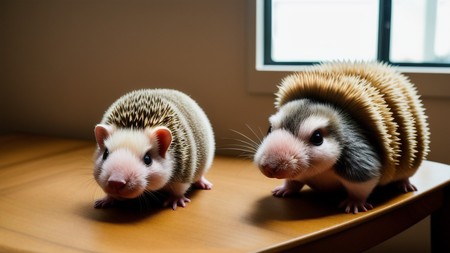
point(383, 101)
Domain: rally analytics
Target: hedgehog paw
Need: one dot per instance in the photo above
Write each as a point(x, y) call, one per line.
point(354, 206)
point(406, 186)
point(176, 201)
point(105, 202)
point(289, 188)
point(203, 183)
point(282, 191)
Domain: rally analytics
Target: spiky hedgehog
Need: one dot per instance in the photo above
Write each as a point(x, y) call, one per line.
point(350, 124)
point(149, 140)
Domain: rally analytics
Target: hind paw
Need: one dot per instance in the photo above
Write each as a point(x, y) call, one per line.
point(405, 186)
point(203, 183)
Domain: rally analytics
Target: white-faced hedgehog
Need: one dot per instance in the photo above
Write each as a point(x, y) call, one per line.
point(150, 140)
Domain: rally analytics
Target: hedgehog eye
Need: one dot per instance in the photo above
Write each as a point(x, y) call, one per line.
point(105, 154)
point(148, 159)
point(269, 130)
point(316, 138)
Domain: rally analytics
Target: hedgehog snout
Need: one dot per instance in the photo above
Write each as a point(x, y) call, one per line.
point(123, 175)
point(280, 167)
point(116, 185)
point(281, 155)
point(275, 170)
point(122, 186)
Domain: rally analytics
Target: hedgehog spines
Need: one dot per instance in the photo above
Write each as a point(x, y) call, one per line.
point(380, 99)
point(148, 108)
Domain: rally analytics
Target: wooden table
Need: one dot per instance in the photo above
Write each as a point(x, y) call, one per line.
point(47, 193)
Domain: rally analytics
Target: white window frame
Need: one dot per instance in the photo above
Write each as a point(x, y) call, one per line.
point(261, 65)
point(263, 79)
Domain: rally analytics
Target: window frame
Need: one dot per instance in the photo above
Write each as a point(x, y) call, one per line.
point(383, 52)
point(262, 80)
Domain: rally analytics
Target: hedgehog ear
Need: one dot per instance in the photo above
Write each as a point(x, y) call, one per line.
point(274, 120)
point(102, 132)
point(164, 139)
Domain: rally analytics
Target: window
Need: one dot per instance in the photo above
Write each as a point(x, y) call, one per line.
point(401, 32)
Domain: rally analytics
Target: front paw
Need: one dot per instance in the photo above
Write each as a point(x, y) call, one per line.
point(105, 202)
point(289, 188)
point(176, 201)
point(283, 191)
point(354, 206)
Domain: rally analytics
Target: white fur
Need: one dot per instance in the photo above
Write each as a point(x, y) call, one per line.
point(138, 142)
point(361, 190)
point(125, 162)
point(310, 125)
point(281, 155)
point(275, 120)
point(281, 151)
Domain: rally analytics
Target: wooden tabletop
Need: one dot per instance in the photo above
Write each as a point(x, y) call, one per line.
point(47, 193)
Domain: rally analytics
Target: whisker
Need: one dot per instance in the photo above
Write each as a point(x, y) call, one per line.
point(148, 200)
point(246, 144)
point(262, 133)
point(240, 147)
point(246, 156)
point(251, 148)
point(243, 152)
point(247, 152)
point(246, 137)
point(254, 133)
point(147, 203)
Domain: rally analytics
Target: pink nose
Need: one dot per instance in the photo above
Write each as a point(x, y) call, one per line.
point(279, 170)
point(116, 184)
point(268, 170)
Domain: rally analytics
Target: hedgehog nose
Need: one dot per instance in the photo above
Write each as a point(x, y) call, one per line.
point(116, 184)
point(268, 170)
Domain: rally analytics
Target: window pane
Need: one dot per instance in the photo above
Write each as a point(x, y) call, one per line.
point(322, 30)
point(420, 31)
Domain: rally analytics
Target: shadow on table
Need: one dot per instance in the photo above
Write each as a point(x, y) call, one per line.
point(132, 210)
point(310, 204)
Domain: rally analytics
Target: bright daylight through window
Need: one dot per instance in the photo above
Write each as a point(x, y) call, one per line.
point(402, 32)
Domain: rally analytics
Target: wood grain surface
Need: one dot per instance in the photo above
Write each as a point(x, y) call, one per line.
point(47, 193)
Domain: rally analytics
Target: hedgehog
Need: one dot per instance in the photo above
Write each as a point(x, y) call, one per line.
point(351, 125)
point(152, 140)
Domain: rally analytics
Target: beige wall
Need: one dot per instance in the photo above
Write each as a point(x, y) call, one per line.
point(62, 63)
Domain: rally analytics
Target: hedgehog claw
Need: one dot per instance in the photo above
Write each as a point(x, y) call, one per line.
point(355, 206)
point(174, 202)
point(282, 191)
point(203, 183)
point(406, 186)
point(289, 188)
point(105, 202)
